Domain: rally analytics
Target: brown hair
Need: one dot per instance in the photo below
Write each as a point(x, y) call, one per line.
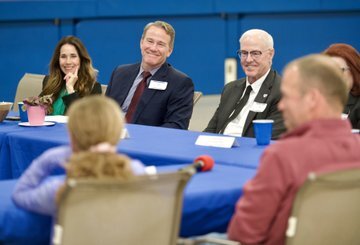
point(93, 120)
point(86, 74)
point(352, 58)
point(166, 27)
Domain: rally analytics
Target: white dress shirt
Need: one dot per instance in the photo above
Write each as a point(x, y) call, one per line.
point(236, 126)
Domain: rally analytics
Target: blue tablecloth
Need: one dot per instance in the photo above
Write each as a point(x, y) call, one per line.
point(208, 205)
point(152, 145)
point(20, 145)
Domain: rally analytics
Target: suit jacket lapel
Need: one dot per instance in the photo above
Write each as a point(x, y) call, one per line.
point(149, 93)
point(233, 97)
point(128, 81)
point(261, 97)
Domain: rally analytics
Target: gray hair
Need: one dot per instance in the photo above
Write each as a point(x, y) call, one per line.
point(260, 34)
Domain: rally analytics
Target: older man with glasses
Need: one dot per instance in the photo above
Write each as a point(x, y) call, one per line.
point(254, 97)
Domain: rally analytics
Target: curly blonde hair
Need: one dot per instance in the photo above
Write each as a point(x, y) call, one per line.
point(95, 165)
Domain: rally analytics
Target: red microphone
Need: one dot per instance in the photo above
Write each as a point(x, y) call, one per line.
point(203, 163)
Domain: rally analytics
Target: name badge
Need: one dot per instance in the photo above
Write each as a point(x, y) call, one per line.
point(258, 107)
point(216, 141)
point(158, 85)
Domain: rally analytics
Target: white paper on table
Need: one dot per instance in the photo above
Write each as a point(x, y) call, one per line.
point(58, 119)
point(216, 141)
point(124, 134)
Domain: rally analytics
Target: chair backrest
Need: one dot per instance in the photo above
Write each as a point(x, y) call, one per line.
point(145, 210)
point(29, 85)
point(326, 209)
point(103, 88)
point(197, 96)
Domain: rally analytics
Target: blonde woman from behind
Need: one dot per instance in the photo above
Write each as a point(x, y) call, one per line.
point(95, 125)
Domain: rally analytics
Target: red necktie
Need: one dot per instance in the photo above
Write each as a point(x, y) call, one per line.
point(136, 97)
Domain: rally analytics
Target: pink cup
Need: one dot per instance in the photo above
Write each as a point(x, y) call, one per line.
point(36, 115)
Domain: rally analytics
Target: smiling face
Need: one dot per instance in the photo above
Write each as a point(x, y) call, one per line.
point(155, 48)
point(69, 59)
point(255, 67)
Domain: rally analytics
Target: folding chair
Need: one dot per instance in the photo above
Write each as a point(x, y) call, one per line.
point(29, 85)
point(327, 209)
point(197, 96)
point(145, 210)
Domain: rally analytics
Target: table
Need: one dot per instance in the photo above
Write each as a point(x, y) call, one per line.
point(20, 145)
point(152, 145)
point(209, 201)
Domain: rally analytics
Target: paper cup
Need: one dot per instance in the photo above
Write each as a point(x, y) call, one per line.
point(22, 112)
point(263, 130)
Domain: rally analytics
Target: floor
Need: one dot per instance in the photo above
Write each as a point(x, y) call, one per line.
point(203, 111)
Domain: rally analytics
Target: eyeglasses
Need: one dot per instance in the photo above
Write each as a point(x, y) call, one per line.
point(344, 69)
point(255, 54)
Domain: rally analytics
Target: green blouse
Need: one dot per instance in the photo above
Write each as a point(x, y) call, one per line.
point(58, 105)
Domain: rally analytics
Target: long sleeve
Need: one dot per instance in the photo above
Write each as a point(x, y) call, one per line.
point(137, 167)
point(35, 191)
point(70, 98)
point(180, 105)
point(258, 207)
point(230, 94)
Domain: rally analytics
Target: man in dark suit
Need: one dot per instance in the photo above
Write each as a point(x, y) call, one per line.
point(166, 98)
point(254, 97)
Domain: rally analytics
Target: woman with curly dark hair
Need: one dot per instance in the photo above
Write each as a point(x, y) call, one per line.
point(71, 77)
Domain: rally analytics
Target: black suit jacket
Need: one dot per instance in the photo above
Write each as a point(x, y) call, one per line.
point(269, 93)
point(170, 108)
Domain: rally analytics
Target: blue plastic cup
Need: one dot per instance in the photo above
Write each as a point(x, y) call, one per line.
point(22, 112)
point(263, 130)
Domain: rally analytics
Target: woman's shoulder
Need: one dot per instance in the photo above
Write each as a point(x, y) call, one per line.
point(63, 150)
point(96, 88)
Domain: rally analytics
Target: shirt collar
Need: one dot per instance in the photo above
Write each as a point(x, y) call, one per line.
point(152, 72)
point(257, 84)
point(318, 127)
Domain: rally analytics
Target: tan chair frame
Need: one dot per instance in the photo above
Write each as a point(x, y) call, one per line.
point(145, 210)
point(29, 85)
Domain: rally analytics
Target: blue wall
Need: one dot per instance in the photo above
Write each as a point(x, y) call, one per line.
point(207, 32)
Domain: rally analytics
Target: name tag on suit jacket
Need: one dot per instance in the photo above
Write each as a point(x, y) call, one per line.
point(258, 107)
point(158, 85)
